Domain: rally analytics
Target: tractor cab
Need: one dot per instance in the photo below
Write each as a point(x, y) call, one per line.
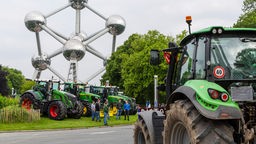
point(226, 56)
point(219, 54)
point(74, 88)
point(46, 87)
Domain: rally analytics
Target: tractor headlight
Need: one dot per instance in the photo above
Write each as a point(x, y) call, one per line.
point(220, 30)
point(214, 31)
point(217, 30)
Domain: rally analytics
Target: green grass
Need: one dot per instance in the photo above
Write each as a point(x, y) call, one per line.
point(47, 124)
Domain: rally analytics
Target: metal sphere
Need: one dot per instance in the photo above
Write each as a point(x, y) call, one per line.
point(33, 20)
point(78, 4)
point(74, 49)
point(40, 63)
point(117, 23)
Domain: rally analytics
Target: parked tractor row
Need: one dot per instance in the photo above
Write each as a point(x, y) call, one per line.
point(47, 97)
point(74, 101)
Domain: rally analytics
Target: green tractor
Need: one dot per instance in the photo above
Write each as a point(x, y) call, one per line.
point(79, 89)
point(47, 97)
point(113, 97)
point(210, 90)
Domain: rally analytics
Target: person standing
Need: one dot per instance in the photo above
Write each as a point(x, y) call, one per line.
point(127, 108)
point(97, 110)
point(119, 109)
point(93, 110)
point(105, 110)
point(105, 94)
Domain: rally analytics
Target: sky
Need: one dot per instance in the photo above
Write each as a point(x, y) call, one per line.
point(166, 16)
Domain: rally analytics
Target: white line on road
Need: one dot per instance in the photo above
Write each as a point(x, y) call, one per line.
point(103, 132)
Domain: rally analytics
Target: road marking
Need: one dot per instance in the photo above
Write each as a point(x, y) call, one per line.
point(102, 132)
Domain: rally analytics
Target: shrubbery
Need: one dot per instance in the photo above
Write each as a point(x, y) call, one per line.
point(11, 112)
point(5, 101)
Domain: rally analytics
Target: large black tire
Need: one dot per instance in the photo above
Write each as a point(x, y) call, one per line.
point(185, 125)
point(77, 111)
point(87, 111)
point(141, 134)
point(57, 110)
point(28, 102)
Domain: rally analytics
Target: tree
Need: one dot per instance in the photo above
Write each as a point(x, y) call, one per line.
point(15, 78)
point(4, 89)
point(114, 64)
point(249, 5)
point(129, 66)
point(248, 19)
point(27, 85)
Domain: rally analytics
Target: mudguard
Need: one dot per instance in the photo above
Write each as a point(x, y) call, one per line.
point(222, 110)
point(154, 122)
point(37, 95)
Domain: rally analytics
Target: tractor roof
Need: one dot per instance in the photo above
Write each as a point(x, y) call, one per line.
point(209, 31)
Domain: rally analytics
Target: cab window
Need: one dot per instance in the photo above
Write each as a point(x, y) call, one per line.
point(187, 61)
point(200, 58)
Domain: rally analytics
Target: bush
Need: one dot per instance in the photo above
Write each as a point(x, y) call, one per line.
point(14, 114)
point(5, 101)
point(11, 112)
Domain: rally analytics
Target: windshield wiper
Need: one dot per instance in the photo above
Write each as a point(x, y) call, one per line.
point(248, 39)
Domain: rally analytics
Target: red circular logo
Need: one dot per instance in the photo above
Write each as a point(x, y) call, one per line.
point(219, 72)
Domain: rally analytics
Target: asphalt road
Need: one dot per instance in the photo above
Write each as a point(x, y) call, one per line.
point(103, 135)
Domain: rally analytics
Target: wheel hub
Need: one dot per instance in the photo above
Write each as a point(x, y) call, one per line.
point(27, 103)
point(54, 111)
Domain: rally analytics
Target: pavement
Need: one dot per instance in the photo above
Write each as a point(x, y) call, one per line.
point(104, 135)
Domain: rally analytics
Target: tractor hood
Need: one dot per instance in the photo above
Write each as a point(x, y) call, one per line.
point(70, 96)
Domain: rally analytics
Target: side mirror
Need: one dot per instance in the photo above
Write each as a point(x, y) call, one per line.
point(173, 45)
point(154, 57)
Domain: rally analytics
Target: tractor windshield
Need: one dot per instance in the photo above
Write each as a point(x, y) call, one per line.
point(233, 57)
point(55, 85)
point(96, 90)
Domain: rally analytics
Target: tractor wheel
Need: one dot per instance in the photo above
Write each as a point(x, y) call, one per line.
point(87, 109)
point(28, 102)
point(185, 125)
point(141, 134)
point(77, 111)
point(57, 110)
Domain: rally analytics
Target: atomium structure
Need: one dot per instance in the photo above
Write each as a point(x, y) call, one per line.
point(74, 47)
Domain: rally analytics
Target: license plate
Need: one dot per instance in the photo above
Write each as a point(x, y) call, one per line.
point(244, 93)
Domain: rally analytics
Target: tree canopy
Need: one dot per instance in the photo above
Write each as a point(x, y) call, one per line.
point(248, 18)
point(15, 78)
point(10, 78)
point(27, 85)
